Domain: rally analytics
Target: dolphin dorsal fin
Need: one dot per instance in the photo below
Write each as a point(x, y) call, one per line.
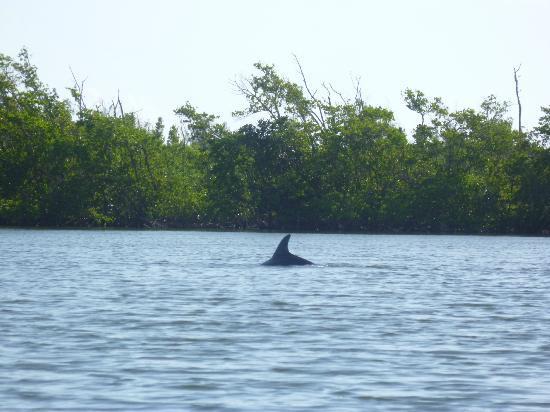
point(282, 249)
point(282, 257)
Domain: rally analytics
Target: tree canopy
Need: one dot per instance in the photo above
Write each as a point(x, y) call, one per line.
point(313, 161)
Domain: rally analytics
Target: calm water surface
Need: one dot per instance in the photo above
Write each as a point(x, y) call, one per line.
point(143, 320)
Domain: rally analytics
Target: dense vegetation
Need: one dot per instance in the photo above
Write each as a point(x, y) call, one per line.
point(309, 163)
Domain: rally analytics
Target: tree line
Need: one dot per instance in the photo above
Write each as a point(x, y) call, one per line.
point(313, 161)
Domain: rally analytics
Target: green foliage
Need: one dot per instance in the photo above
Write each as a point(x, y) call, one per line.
point(543, 130)
point(200, 128)
point(306, 164)
point(270, 93)
point(417, 101)
point(37, 142)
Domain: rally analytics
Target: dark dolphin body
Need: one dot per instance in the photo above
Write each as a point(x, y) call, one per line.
point(282, 257)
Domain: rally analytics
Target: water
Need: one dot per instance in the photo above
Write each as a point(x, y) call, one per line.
point(138, 320)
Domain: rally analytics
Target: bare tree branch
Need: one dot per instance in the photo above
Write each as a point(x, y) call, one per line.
point(113, 107)
point(318, 117)
point(79, 88)
point(344, 100)
point(119, 103)
point(358, 92)
point(517, 95)
point(329, 96)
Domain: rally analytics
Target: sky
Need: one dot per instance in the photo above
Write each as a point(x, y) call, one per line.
point(160, 54)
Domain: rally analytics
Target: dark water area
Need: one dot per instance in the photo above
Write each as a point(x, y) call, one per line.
point(170, 320)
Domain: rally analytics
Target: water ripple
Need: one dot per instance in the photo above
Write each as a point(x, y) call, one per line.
point(131, 321)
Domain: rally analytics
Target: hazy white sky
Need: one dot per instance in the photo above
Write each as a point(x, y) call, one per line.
point(163, 53)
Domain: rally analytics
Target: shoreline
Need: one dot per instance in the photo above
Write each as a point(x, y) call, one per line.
point(275, 230)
